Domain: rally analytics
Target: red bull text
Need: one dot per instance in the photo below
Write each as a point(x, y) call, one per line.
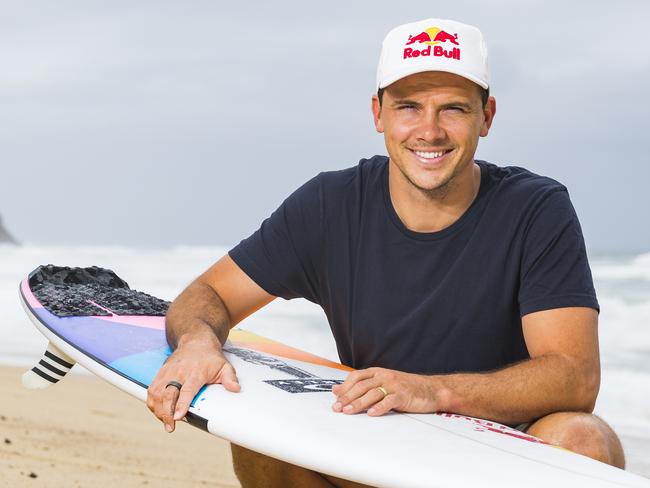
point(438, 51)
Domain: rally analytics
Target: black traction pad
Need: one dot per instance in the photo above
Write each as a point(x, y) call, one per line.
point(76, 292)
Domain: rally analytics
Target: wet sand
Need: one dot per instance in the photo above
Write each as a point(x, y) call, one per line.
point(83, 432)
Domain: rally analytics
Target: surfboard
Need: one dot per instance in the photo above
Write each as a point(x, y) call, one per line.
point(90, 316)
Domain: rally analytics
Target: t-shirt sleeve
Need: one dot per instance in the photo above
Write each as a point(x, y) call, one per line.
point(283, 256)
point(555, 270)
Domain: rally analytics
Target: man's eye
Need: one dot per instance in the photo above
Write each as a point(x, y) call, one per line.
point(455, 108)
point(407, 107)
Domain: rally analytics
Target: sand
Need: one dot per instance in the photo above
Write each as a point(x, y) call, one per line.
point(83, 432)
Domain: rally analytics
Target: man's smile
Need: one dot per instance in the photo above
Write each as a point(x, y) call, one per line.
point(430, 157)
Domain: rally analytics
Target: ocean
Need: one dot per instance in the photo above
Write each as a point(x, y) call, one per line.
point(622, 283)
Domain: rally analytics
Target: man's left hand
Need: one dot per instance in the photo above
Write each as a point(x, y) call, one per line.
point(380, 390)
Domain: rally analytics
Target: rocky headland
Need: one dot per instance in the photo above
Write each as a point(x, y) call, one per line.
point(5, 236)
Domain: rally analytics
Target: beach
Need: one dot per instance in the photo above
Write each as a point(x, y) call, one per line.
point(83, 432)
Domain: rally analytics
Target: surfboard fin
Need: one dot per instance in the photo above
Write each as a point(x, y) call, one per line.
point(53, 366)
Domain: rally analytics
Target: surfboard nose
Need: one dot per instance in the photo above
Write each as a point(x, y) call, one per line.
point(53, 365)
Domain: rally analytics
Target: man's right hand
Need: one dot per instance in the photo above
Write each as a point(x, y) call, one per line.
point(196, 362)
point(198, 322)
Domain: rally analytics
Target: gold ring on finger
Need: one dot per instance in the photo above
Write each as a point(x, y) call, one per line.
point(383, 390)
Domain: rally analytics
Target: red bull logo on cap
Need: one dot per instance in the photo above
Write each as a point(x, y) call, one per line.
point(432, 37)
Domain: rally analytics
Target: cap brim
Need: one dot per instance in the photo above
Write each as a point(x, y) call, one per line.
point(398, 75)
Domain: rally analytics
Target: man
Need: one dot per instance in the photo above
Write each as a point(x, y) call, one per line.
point(450, 284)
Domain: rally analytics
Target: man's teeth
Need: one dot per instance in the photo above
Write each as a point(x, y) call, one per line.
point(429, 155)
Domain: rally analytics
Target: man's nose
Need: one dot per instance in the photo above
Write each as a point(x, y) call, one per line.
point(430, 128)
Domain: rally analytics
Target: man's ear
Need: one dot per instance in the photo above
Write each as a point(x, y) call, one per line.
point(489, 112)
point(376, 114)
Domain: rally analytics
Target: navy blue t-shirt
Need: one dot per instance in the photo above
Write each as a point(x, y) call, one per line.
point(438, 302)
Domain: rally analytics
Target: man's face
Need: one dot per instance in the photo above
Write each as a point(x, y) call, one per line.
point(431, 123)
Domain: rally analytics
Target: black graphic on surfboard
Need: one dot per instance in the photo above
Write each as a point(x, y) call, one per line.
point(310, 385)
point(273, 363)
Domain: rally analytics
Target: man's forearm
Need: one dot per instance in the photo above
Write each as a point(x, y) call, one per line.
point(521, 392)
point(197, 313)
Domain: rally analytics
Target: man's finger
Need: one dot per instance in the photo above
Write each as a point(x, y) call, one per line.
point(151, 404)
point(187, 393)
point(353, 378)
point(155, 396)
point(384, 406)
point(370, 398)
point(229, 378)
point(357, 390)
point(341, 391)
point(170, 398)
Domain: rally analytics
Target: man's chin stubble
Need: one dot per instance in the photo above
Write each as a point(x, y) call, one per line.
point(439, 192)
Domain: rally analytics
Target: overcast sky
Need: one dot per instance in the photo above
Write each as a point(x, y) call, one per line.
point(165, 123)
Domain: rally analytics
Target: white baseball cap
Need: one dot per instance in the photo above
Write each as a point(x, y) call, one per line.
point(433, 45)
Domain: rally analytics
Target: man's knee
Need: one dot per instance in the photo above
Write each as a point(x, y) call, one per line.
point(255, 470)
point(582, 433)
